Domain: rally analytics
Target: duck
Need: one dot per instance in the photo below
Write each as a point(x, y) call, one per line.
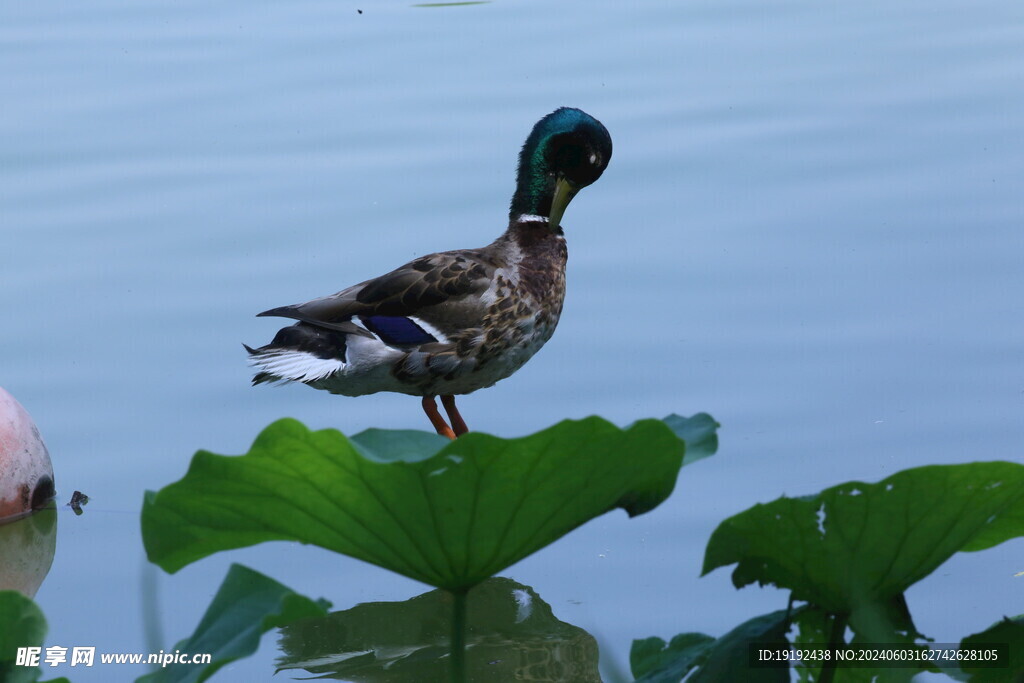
point(450, 323)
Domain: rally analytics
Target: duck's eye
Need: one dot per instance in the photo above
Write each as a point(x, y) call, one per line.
point(575, 159)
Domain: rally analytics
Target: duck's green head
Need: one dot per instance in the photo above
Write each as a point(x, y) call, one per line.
point(567, 150)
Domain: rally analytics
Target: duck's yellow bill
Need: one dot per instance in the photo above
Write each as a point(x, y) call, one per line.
point(564, 192)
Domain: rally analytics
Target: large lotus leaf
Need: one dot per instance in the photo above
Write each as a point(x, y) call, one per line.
point(448, 513)
point(511, 635)
point(247, 605)
point(854, 548)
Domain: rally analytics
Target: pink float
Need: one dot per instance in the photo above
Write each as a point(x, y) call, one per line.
point(26, 474)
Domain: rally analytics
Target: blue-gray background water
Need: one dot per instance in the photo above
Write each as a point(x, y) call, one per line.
point(811, 228)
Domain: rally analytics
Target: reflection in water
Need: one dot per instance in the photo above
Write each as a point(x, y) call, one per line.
point(26, 551)
point(512, 635)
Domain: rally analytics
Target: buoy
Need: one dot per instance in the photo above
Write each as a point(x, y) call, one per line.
point(26, 474)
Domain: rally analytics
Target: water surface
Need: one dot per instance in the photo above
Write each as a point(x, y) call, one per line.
point(811, 228)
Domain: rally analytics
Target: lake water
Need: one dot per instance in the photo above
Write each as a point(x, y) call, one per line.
point(811, 228)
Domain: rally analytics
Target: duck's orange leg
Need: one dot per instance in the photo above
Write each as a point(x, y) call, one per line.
point(458, 424)
point(430, 408)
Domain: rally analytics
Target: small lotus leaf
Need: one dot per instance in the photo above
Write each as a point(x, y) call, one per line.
point(1007, 633)
point(715, 659)
point(247, 605)
point(22, 624)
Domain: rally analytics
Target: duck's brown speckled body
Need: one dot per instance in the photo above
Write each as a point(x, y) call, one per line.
point(456, 321)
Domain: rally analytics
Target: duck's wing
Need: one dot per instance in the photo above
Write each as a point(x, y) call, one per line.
point(437, 287)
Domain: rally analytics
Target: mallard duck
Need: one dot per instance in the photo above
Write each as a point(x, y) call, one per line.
point(456, 321)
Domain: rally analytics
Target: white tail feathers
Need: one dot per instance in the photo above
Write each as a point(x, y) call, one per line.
point(296, 366)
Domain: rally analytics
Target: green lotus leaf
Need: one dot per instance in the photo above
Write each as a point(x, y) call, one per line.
point(22, 624)
point(855, 548)
point(815, 627)
point(511, 635)
point(447, 513)
point(699, 432)
point(653, 660)
point(247, 605)
point(1008, 633)
point(715, 659)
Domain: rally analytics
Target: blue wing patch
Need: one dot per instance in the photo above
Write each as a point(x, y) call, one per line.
point(396, 330)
